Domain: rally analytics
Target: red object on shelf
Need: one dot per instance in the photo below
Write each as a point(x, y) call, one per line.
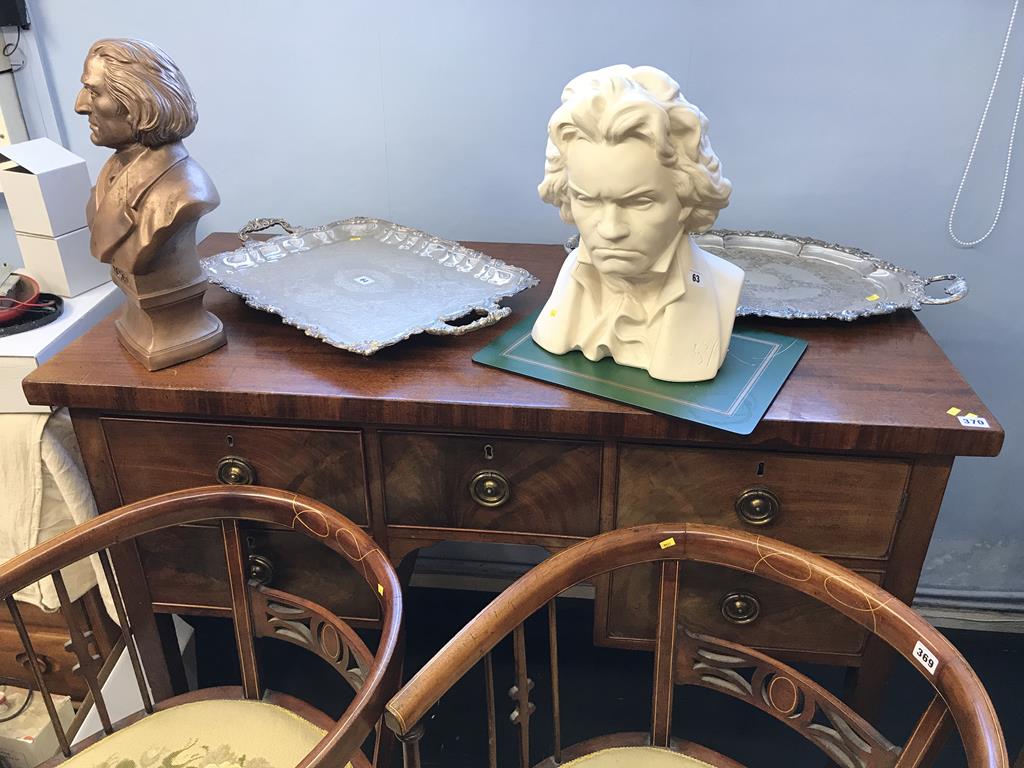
point(26, 294)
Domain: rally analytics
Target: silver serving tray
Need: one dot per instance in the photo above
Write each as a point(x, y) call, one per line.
point(800, 278)
point(363, 284)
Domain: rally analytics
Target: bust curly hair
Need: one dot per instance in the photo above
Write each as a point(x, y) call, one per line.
point(621, 102)
point(150, 88)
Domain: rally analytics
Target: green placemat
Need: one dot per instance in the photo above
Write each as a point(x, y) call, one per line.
point(755, 369)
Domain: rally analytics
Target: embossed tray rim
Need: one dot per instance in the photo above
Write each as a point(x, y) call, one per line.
point(913, 285)
point(292, 244)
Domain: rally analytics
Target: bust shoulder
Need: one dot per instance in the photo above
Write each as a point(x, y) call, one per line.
point(190, 186)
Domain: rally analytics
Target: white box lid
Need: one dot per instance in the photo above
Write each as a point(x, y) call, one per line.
point(40, 155)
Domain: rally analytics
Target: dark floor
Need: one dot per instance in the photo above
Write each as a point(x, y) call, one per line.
point(606, 690)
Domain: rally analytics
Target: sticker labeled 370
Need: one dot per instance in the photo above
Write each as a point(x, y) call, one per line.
point(925, 658)
point(970, 420)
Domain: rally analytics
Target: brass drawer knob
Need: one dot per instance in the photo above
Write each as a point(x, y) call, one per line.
point(489, 488)
point(45, 665)
point(740, 608)
point(261, 570)
point(234, 470)
point(758, 506)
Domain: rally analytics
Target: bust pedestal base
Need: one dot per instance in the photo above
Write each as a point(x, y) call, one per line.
point(165, 328)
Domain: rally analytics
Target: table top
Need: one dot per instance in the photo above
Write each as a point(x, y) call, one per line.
point(877, 385)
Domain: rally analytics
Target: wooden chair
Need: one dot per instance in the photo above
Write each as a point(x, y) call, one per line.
point(685, 658)
point(221, 725)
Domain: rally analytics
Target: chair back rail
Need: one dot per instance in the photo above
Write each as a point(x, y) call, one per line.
point(956, 685)
point(374, 677)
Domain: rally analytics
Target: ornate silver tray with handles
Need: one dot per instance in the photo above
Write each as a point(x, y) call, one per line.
point(799, 278)
point(363, 284)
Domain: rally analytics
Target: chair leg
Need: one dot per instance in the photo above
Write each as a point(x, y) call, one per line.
point(411, 747)
point(154, 633)
point(172, 654)
point(865, 685)
point(386, 747)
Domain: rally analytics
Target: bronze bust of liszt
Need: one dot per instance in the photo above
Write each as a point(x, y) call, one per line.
point(143, 211)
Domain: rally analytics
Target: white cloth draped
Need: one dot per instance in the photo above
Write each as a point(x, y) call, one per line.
point(45, 492)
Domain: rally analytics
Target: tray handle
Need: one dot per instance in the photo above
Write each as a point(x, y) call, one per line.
point(494, 314)
point(258, 225)
point(954, 292)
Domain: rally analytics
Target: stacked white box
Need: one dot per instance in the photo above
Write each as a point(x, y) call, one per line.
point(46, 188)
point(22, 353)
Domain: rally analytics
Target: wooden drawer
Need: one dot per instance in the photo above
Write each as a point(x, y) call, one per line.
point(154, 456)
point(788, 621)
point(300, 565)
point(58, 664)
point(49, 633)
point(555, 485)
point(838, 507)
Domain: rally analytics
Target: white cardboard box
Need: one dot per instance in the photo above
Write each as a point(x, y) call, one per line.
point(22, 353)
point(28, 739)
point(63, 265)
point(46, 187)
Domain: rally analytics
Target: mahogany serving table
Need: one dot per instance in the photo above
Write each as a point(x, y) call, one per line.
point(851, 460)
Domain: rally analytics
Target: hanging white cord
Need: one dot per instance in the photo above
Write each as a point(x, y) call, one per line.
point(977, 138)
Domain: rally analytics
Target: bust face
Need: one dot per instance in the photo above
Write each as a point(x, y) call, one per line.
point(109, 124)
point(625, 205)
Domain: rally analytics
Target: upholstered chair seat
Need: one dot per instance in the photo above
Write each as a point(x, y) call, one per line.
point(222, 733)
point(637, 757)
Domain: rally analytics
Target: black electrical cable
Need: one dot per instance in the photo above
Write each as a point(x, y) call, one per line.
point(22, 708)
point(8, 49)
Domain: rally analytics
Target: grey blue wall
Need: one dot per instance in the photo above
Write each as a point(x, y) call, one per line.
point(847, 120)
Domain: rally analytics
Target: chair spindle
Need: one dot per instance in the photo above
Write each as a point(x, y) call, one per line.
point(241, 608)
point(521, 695)
point(89, 664)
point(492, 726)
point(87, 702)
point(929, 736)
point(556, 700)
point(126, 631)
point(664, 655)
point(37, 673)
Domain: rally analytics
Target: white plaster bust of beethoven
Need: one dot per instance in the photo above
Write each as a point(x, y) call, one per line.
point(629, 162)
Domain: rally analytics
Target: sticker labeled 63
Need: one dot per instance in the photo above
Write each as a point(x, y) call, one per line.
point(925, 658)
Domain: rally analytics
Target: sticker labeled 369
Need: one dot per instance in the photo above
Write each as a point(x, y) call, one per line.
point(925, 658)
